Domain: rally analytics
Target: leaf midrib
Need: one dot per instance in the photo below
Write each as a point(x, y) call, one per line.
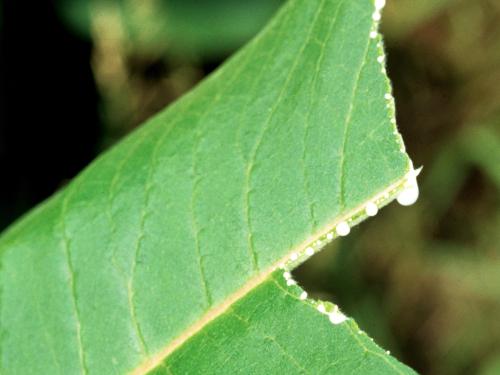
point(387, 195)
point(261, 277)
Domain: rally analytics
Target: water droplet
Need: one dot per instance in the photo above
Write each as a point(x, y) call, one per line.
point(388, 352)
point(336, 317)
point(321, 308)
point(408, 196)
point(381, 59)
point(371, 209)
point(410, 192)
point(329, 236)
point(294, 256)
point(291, 282)
point(310, 251)
point(388, 96)
point(376, 16)
point(343, 229)
point(287, 275)
point(373, 34)
point(379, 4)
point(303, 296)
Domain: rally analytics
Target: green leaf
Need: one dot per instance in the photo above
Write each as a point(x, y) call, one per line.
point(170, 253)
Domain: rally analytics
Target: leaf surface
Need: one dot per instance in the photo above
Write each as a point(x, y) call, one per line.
point(167, 254)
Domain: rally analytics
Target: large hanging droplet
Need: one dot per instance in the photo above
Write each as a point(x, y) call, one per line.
point(410, 192)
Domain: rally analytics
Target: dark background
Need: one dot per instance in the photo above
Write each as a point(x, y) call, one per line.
point(423, 281)
point(50, 126)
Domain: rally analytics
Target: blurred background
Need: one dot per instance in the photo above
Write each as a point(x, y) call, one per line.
point(77, 75)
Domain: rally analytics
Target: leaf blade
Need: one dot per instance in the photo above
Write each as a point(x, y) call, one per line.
point(290, 349)
point(133, 249)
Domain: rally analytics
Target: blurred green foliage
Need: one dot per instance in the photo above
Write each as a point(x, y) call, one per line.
point(423, 281)
point(149, 52)
point(189, 27)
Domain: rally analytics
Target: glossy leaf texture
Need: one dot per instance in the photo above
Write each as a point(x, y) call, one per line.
point(167, 254)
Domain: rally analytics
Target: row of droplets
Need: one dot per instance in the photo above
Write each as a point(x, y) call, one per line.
point(333, 312)
point(410, 192)
point(377, 13)
point(406, 196)
point(389, 98)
